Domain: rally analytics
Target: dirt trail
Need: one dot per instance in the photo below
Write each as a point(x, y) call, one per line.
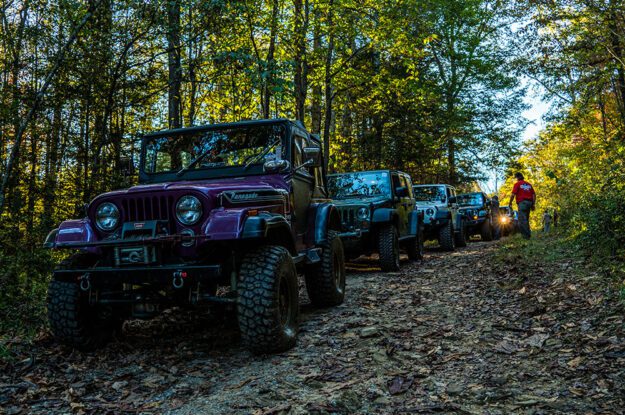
point(454, 334)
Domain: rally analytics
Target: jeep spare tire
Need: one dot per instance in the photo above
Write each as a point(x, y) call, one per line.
point(446, 237)
point(268, 302)
point(389, 248)
point(325, 280)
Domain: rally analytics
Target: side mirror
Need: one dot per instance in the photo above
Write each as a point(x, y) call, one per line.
point(401, 191)
point(312, 156)
point(275, 166)
point(452, 199)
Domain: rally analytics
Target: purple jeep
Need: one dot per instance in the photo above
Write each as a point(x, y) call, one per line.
point(223, 214)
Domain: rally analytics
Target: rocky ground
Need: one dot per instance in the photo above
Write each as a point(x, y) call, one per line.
point(475, 331)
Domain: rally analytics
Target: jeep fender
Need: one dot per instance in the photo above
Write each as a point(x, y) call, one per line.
point(322, 217)
point(383, 215)
point(273, 228)
point(459, 219)
point(71, 232)
point(414, 221)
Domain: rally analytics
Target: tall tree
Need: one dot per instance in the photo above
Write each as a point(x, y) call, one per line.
point(174, 98)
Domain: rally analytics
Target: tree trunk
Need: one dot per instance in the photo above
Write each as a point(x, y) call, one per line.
point(271, 64)
point(316, 111)
point(329, 90)
point(300, 51)
point(174, 62)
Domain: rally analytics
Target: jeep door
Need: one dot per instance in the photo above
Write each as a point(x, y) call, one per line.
point(412, 202)
point(303, 183)
point(403, 204)
point(453, 204)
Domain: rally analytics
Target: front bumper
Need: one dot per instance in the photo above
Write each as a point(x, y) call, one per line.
point(472, 223)
point(142, 274)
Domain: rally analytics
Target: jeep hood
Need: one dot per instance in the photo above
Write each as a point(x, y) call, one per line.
point(211, 188)
point(359, 201)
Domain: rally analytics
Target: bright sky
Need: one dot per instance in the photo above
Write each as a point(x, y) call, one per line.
point(535, 114)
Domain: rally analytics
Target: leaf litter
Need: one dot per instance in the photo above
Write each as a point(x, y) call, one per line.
point(452, 335)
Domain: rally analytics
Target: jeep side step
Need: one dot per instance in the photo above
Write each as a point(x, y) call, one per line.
point(310, 256)
point(356, 234)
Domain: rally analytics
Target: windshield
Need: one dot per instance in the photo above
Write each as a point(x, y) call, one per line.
point(348, 185)
point(430, 193)
point(223, 147)
point(471, 199)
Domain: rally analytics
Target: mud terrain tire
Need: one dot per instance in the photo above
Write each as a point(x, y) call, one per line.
point(486, 231)
point(325, 281)
point(389, 248)
point(74, 322)
point(461, 235)
point(446, 237)
point(416, 247)
point(268, 303)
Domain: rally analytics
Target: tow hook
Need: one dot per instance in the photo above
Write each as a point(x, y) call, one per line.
point(178, 280)
point(85, 282)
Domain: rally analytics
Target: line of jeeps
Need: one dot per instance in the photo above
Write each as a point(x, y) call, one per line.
point(232, 214)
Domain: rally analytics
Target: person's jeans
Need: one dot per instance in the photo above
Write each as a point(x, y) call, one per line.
point(525, 207)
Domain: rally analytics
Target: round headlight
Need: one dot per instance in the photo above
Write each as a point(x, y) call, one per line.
point(107, 216)
point(363, 213)
point(188, 210)
point(429, 212)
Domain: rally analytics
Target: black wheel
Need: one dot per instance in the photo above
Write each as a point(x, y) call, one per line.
point(446, 237)
point(74, 322)
point(325, 281)
point(268, 303)
point(461, 235)
point(389, 248)
point(486, 231)
point(416, 247)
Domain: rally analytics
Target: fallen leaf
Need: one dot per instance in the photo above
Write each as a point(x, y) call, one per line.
point(575, 362)
point(537, 340)
point(399, 384)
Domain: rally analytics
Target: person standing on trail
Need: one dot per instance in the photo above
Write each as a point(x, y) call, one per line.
point(555, 218)
point(546, 221)
point(494, 208)
point(526, 202)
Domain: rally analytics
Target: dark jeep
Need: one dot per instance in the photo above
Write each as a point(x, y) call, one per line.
point(476, 210)
point(224, 214)
point(377, 209)
point(441, 217)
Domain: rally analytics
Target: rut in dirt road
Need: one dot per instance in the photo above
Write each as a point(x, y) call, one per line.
point(453, 334)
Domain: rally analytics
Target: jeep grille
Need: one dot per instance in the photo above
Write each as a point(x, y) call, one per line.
point(147, 208)
point(348, 216)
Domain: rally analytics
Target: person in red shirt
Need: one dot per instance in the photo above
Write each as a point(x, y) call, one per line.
point(526, 202)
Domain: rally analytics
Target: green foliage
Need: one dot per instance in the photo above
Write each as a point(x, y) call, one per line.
point(575, 50)
point(24, 279)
